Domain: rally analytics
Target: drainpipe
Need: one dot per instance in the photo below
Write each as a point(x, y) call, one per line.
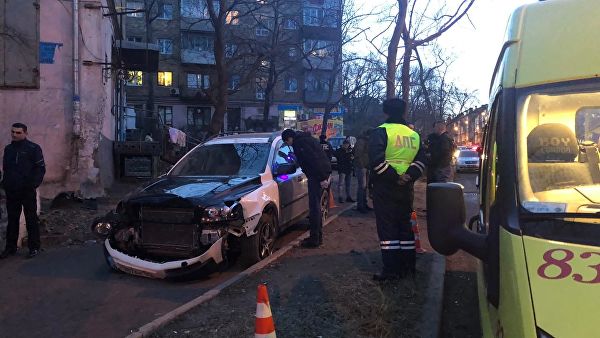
point(76, 102)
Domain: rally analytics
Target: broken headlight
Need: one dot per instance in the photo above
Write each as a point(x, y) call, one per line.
point(223, 213)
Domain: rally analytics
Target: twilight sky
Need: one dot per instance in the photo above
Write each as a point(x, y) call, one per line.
point(475, 44)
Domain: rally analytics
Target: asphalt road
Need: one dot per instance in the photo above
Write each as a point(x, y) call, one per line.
point(70, 292)
point(460, 317)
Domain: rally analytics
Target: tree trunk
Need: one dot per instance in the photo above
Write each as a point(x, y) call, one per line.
point(408, 48)
point(150, 123)
point(218, 118)
point(390, 76)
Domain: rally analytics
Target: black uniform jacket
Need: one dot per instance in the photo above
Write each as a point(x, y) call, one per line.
point(23, 166)
point(377, 162)
point(311, 157)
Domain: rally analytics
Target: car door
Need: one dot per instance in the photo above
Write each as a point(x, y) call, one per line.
point(293, 188)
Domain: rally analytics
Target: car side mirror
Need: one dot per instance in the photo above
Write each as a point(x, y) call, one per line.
point(284, 169)
point(446, 222)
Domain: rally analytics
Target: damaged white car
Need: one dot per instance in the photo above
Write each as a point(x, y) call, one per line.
point(229, 197)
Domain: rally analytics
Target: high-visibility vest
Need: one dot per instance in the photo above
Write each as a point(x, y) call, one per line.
point(402, 146)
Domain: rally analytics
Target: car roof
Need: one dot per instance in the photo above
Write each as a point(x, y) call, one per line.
point(244, 138)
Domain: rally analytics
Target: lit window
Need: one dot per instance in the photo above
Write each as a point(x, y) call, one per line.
point(165, 46)
point(166, 115)
point(232, 18)
point(234, 82)
point(197, 81)
point(135, 6)
point(165, 11)
point(134, 77)
point(165, 79)
point(291, 85)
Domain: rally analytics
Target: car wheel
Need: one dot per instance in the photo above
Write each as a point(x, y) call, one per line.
point(259, 246)
point(324, 206)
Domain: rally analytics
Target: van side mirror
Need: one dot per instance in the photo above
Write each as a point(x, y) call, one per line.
point(446, 222)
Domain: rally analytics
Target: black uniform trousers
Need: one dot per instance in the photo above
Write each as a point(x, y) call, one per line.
point(315, 192)
point(393, 207)
point(16, 201)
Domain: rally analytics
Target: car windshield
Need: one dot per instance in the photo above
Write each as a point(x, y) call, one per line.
point(558, 152)
point(228, 159)
point(468, 153)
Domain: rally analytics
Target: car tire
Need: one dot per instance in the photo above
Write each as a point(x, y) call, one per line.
point(260, 245)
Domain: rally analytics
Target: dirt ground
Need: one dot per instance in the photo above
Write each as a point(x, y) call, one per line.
point(325, 292)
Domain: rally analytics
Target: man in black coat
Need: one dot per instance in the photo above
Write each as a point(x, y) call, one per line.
point(345, 159)
point(24, 169)
point(441, 148)
point(316, 166)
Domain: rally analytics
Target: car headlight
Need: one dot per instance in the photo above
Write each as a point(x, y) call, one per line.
point(222, 213)
point(102, 229)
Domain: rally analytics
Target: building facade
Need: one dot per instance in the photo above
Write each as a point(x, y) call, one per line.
point(281, 56)
point(57, 81)
point(467, 127)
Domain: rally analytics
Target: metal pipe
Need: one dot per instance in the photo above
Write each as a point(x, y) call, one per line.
point(76, 99)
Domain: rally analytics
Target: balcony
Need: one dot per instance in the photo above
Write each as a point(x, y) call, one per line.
point(198, 25)
point(191, 56)
point(316, 62)
point(320, 96)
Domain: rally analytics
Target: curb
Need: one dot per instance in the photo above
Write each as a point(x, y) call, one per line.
point(163, 320)
point(431, 321)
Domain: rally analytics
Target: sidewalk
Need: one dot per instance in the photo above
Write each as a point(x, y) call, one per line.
point(324, 292)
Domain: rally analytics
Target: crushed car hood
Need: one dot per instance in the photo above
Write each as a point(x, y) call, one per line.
point(175, 191)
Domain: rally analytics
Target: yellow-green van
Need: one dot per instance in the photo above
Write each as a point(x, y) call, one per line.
point(537, 234)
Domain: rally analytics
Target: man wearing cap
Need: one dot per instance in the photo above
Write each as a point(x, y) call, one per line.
point(317, 167)
point(396, 160)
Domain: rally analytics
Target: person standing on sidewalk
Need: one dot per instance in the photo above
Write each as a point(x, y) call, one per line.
point(327, 147)
point(361, 163)
point(24, 169)
point(441, 147)
point(345, 157)
point(317, 168)
point(396, 160)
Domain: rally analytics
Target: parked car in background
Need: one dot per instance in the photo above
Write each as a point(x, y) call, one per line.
point(467, 160)
point(229, 197)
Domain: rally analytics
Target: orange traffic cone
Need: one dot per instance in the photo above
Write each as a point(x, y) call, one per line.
point(265, 328)
point(331, 200)
point(415, 229)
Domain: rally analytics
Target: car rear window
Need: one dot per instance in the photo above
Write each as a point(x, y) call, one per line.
point(468, 153)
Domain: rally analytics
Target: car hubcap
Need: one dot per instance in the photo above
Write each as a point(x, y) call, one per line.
point(267, 238)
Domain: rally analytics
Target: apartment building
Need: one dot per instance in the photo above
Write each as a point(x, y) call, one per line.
point(468, 127)
point(281, 57)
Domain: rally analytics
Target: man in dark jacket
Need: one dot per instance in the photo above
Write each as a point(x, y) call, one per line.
point(317, 168)
point(396, 160)
point(361, 165)
point(327, 147)
point(345, 160)
point(24, 169)
point(441, 148)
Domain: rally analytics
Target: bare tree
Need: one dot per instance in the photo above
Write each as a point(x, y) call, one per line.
point(416, 27)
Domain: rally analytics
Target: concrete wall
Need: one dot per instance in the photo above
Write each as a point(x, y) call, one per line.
point(72, 164)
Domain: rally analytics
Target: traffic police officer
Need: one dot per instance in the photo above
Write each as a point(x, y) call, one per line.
point(396, 161)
